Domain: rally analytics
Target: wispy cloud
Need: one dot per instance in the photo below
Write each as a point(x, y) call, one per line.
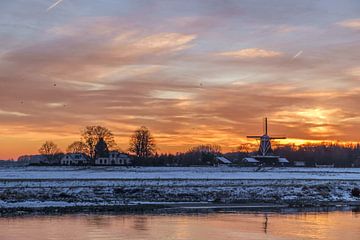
point(174, 41)
point(11, 113)
point(251, 53)
point(171, 95)
point(350, 23)
point(56, 104)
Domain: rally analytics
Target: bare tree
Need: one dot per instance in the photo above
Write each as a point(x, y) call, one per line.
point(91, 136)
point(77, 147)
point(142, 143)
point(49, 148)
point(247, 147)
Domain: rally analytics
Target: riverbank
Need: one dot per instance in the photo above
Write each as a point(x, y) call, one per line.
point(177, 208)
point(43, 190)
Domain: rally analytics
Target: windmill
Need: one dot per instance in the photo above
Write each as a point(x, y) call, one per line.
point(265, 154)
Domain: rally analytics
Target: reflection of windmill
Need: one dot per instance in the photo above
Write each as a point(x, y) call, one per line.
point(265, 153)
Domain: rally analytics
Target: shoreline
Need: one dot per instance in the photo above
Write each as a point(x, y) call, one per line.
point(179, 208)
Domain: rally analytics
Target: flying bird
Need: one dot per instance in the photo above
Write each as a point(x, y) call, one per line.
point(297, 54)
point(54, 5)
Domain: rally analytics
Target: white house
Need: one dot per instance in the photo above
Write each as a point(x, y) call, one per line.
point(115, 158)
point(74, 159)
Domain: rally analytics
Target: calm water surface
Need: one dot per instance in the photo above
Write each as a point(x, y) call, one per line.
point(333, 225)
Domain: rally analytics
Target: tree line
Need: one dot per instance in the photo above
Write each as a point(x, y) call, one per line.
point(311, 154)
point(143, 147)
point(337, 154)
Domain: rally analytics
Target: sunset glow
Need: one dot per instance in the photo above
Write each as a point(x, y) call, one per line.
point(204, 72)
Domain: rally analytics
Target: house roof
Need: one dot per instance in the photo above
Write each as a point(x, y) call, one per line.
point(283, 160)
point(223, 160)
point(250, 160)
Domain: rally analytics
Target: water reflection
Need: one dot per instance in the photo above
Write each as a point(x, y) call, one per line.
point(140, 223)
point(266, 223)
point(356, 210)
point(98, 221)
point(332, 226)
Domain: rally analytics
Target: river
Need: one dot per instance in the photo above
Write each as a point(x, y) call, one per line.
point(314, 225)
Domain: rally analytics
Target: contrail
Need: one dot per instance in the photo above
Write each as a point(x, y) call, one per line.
point(298, 54)
point(54, 5)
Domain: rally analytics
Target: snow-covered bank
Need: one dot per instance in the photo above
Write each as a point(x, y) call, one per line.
point(17, 173)
point(70, 187)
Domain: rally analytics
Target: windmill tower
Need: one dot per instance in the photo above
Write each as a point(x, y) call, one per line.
point(265, 154)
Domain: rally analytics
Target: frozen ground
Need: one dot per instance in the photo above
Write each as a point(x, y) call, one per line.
point(177, 173)
point(38, 187)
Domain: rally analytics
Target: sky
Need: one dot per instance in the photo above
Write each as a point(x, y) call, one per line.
point(193, 72)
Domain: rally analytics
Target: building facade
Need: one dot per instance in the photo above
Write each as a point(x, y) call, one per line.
point(74, 159)
point(115, 158)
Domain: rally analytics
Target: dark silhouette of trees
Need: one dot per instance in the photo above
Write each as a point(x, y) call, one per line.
point(51, 151)
point(77, 147)
point(91, 136)
point(203, 154)
point(142, 143)
point(247, 147)
point(49, 148)
point(341, 155)
point(207, 148)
